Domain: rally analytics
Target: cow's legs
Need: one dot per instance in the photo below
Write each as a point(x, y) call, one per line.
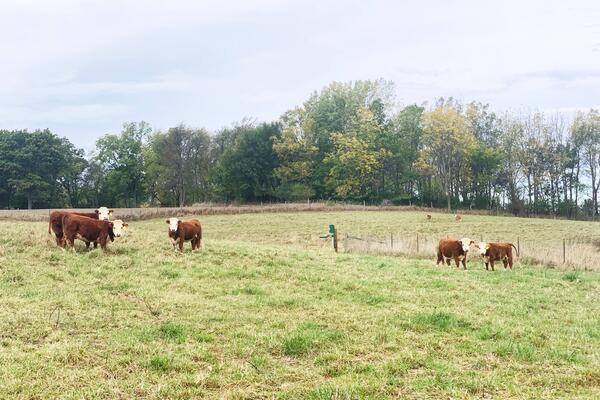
point(492, 264)
point(181, 244)
point(505, 262)
point(487, 266)
point(464, 263)
point(510, 262)
point(457, 261)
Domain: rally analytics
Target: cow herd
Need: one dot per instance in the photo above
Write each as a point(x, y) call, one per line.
point(457, 250)
point(97, 228)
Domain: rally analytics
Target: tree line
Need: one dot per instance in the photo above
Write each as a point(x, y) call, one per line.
point(348, 142)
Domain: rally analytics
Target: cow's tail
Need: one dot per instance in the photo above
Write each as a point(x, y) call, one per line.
point(49, 224)
point(517, 250)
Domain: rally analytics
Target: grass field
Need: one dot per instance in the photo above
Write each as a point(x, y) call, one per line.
point(267, 310)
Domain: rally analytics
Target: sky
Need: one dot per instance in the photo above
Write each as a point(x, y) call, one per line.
point(82, 68)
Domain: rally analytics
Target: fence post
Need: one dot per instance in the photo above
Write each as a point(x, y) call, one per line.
point(392, 241)
point(564, 251)
point(518, 246)
point(417, 242)
point(335, 240)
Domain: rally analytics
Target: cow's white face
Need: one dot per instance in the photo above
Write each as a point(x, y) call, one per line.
point(173, 223)
point(119, 227)
point(483, 247)
point(466, 244)
point(104, 213)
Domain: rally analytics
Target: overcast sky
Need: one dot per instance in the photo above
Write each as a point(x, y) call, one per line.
point(82, 68)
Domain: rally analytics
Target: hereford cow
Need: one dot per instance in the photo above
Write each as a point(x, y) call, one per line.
point(89, 230)
point(491, 252)
point(56, 217)
point(183, 231)
point(457, 250)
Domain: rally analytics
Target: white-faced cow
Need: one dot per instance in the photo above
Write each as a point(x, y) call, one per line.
point(452, 249)
point(89, 230)
point(491, 252)
point(184, 231)
point(56, 218)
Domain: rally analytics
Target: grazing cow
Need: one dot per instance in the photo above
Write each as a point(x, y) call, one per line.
point(56, 217)
point(457, 218)
point(87, 229)
point(428, 217)
point(183, 231)
point(449, 249)
point(491, 252)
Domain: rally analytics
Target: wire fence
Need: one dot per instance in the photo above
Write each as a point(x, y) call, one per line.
point(561, 253)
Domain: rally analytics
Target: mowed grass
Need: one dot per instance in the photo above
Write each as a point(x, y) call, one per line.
point(267, 310)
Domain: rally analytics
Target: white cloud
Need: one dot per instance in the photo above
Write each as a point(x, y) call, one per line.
point(82, 68)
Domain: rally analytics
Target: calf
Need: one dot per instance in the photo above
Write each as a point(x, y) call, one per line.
point(86, 229)
point(56, 217)
point(183, 231)
point(454, 249)
point(491, 252)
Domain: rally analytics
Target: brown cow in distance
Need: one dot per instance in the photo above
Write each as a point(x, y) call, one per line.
point(491, 252)
point(56, 217)
point(457, 218)
point(428, 217)
point(183, 231)
point(457, 250)
point(87, 229)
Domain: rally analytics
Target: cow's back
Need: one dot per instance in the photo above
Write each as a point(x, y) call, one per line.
point(449, 247)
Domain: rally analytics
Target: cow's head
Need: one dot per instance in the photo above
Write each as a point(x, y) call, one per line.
point(104, 213)
point(466, 243)
point(483, 247)
point(173, 224)
point(119, 227)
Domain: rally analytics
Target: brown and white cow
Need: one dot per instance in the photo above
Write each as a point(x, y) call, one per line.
point(183, 231)
point(452, 249)
point(89, 230)
point(457, 218)
point(56, 217)
point(491, 252)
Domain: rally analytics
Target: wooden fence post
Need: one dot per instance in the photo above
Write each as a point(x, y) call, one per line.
point(335, 240)
point(392, 241)
point(564, 252)
point(518, 246)
point(417, 242)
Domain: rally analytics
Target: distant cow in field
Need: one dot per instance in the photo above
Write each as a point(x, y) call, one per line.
point(428, 217)
point(457, 218)
point(89, 230)
point(491, 252)
point(451, 249)
point(56, 218)
point(183, 231)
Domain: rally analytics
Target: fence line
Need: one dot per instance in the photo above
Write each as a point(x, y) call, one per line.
point(570, 254)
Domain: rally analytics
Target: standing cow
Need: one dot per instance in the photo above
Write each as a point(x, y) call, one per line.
point(184, 231)
point(55, 222)
point(491, 252)
point(88, 230)
point(457, 250)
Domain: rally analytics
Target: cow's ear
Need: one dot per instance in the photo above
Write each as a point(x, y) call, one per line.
point(168, 222)
point(97, 211)
point(487, 246)
point(472, 242)
point(110, 211)
point(125, 225)
point(178, 222)
point(460, 242)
